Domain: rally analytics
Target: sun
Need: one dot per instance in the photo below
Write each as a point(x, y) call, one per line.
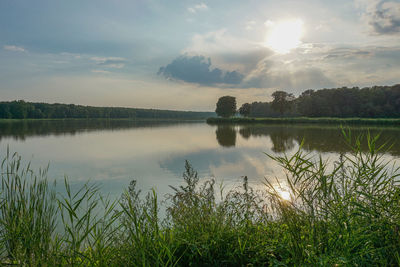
point(284, 36)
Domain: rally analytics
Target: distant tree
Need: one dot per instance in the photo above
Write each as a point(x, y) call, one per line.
point(19, 109)
point(305, 105)
point(282, 101)
point(245, 109)
point(226, 106)
point(22, 110)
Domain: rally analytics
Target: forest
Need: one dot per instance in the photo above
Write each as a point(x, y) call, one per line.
point(30, 110)
point(368, 102)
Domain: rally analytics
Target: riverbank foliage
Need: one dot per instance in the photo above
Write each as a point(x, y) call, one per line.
point(31, 110)
point(341, 214)
point(368, 102)
point(306, 120)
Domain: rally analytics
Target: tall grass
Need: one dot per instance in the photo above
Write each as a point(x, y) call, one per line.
point(348, 215)
point(341, 214)
point(27, 214)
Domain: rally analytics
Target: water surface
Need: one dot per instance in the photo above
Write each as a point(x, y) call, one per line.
point(113, 152)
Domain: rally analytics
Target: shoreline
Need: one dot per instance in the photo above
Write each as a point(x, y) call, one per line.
point(307, 120)
point(110, 119)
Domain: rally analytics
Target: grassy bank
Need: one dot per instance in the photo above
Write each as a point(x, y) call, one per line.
point(347, 215)
point(301, 120)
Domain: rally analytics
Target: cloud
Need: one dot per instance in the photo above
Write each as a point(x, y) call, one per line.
point(219, 41)
point(110, 62)
point(14, 48)
point(101, 71)
point(382, 16)
point(249, 25)
point(198, 7)
point(72, 55)
point(353, 65)
point(197, 69)
point(292, 80)
point(228, 51)
point(349, 53)
point(266, 74)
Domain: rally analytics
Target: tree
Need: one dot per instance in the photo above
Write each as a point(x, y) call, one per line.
point(282, 101)
point(245, 109)
point(226, 106)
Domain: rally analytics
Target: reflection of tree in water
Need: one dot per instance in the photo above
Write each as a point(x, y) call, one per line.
point(22, 129)
point(318, 137)
point(226, 135)
point(245, 132)
point(281, 138)
point(282, 141)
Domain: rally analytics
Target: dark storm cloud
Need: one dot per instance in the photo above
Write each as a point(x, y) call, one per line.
point(197, 69)
point(385, 18)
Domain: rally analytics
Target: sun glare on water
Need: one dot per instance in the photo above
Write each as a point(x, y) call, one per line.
point(285, 195)
point(284, 36)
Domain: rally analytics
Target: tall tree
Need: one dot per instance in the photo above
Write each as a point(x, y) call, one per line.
point(245, 109)
point(282, 101)
point(226, 106)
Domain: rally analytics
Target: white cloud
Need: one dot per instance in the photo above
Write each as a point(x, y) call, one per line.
point(198, 7)
point(227, 51)
point(14, 48)
point(382, 16)
point(201, 6)
point(101, 71)
point(72, 55)
point(269, 23)
point(219, 41)
point(110, 62)
point(249, 25)
point(104, 59)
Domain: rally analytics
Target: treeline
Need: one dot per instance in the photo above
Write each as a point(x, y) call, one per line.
point(29, 110)
point(368, 102)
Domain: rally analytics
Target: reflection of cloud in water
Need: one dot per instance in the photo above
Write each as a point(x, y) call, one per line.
point(228, 165)
point(201, 160)
point(155, 156)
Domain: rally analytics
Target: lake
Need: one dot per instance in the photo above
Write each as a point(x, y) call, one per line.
point(113, 152)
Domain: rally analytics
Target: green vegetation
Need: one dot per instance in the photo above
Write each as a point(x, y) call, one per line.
point(226, 106)
point(326, 120)
point(368, 102)
point(341, 214)
point(245, 110)
point(28, 110)
point(282, 101)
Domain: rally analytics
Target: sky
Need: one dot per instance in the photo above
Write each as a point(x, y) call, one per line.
point(184, 55)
